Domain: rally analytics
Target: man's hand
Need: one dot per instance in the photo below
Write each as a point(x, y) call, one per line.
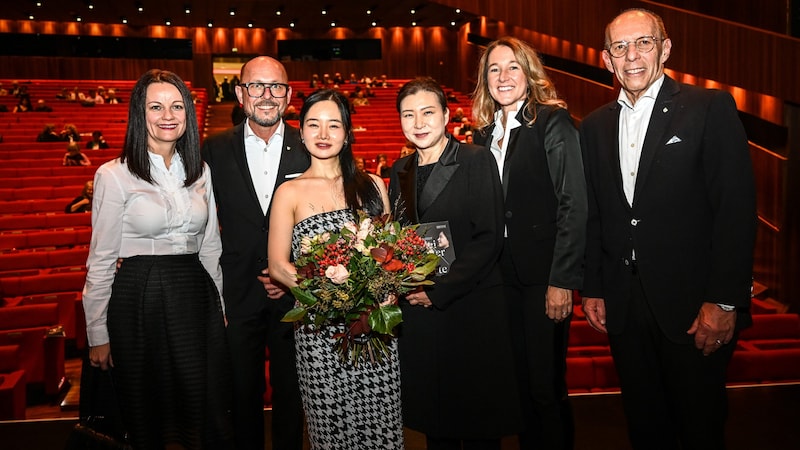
point(558, 303)
point(274, 291)
point(712, 328)
point(595, 311)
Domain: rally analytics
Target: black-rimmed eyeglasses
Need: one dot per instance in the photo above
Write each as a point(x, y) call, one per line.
point(644, 44)
point(277, 90)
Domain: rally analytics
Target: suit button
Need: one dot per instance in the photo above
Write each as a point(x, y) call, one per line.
point(264, 229)
point(634, 222)
point(626, 261)
point(509, 214)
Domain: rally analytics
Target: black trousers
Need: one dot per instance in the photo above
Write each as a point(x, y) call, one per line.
point(540, 351)
point(673, 396)
point(248, 338)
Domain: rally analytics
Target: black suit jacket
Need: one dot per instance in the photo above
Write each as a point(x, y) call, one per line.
point(545, 198)
point(244, 226)
point(693, 220)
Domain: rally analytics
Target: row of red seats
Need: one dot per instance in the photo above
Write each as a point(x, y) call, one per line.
point(46, 238)
point(18, 223)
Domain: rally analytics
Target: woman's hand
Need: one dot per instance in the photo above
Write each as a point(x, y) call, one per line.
point(100, 356)
point(419, 297)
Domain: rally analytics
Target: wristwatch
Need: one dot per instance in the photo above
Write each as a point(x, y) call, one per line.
point(726, 308)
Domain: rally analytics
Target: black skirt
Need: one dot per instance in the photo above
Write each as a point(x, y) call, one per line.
point(170, 356)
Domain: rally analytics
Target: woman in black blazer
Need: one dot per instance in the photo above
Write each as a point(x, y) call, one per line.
point(455, 352)
point(529, 131)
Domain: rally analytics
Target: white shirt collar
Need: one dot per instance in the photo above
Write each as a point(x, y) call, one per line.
point(249, 134)
point(651, 92)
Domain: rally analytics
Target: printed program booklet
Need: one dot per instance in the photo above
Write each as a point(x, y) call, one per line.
point(438, 238)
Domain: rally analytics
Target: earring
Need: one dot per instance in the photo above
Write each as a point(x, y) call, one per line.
point(302, 141)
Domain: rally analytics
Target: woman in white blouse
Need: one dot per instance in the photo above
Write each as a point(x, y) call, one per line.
point(158, 319)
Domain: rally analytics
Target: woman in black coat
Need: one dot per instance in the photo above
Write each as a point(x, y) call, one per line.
point(456, 366)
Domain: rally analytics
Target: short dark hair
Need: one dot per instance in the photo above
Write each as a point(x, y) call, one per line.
point(418, 84)
point(134, 148)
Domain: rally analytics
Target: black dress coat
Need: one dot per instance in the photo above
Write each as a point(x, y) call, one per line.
point(456, 366)
point(693, 218)
point(253, 318)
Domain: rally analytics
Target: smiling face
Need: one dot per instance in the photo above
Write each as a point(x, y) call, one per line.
point(423, 119)
point(165, 115)
point(323, 130)
point(636, 71)
point(265, 111)
point(507, 82)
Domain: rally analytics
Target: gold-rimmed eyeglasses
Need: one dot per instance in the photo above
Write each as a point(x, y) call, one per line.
point(277, 90)
point(644, 44)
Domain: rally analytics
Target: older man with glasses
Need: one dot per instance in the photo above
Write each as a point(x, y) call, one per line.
point(248, 162)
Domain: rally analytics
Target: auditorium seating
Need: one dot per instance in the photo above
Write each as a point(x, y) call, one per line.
point(13, 394)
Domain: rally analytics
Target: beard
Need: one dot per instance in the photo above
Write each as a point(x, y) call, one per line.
point(261, 120)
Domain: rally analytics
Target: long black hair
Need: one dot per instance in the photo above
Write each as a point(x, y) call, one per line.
point(134, 148)
point(360, 191)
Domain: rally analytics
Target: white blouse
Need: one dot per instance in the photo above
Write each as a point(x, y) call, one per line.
point(133, 217)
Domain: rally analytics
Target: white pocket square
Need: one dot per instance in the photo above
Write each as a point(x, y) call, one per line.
point(674, 140)
point(293, 175)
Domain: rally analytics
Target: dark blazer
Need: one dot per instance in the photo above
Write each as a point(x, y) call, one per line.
point(245, 228)
point(693, 219)
point(545, 198)
point(455, 355)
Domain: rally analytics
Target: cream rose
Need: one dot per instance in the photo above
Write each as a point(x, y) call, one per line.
point(338, 274)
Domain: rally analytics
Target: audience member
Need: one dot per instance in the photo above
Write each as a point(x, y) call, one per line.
point(314, 83)
point(360, 99)
point(353, 79)
point(407, 149)
point(225, 87)
point(97, 97)
point(360, 163)
point(382, 166)
point(458, 115)
point(49, 134)
point(671, 231)
point(98, 142)
point(112, 97)
point(158, 316)
point(291, 113)
point(237, 113)
point(76, 95)
point(24, 104)
point(42, 106)
point(83, 202)
point(63, 95)
point(451, 97)
point(74, 156)
point(3, 91)
point(70, 133)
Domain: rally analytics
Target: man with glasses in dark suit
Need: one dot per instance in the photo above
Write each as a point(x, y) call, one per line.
point(248, 162)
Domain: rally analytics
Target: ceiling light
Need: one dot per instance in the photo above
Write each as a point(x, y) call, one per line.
point(167, 22)
point(249, 24)
point(458, 10)
point(38, 4)
point(210, 23)
point(413, 11)
point(139, 7)
point(123, 19)
point(333, 24)
point(452, 23)
point(374, 23)
point(91, 5)
point(232, 11)
point(413, 24)
point(30, 17)
point(369, 12)
point(324, 11)
point(187, 9)
point(78, 19)
point(291, 24)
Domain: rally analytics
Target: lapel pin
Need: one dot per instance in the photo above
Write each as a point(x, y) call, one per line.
point(665, 109)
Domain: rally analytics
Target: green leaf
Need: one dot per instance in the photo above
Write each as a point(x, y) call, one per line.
point(294, 315)
point(303, 296)
point(383, 320)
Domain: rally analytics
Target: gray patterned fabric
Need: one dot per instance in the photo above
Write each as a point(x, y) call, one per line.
point(347, 408)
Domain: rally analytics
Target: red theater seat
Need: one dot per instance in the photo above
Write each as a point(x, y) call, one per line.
point(35, 329)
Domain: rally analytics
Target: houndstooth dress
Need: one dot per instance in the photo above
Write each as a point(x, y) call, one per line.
point(347, 408)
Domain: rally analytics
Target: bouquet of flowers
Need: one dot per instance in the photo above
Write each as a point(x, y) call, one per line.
point(354, 277)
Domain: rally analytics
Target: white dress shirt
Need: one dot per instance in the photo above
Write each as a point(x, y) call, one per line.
point(503, 131)
point(633, 123)
point(263, 160)
point(132, 217)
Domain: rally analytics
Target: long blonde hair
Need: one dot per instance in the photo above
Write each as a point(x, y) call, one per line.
point(540, 89)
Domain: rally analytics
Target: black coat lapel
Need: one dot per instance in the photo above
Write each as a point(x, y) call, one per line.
point(240, 156)
point(407, 177)
point(443, 170)
point(654, 140)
